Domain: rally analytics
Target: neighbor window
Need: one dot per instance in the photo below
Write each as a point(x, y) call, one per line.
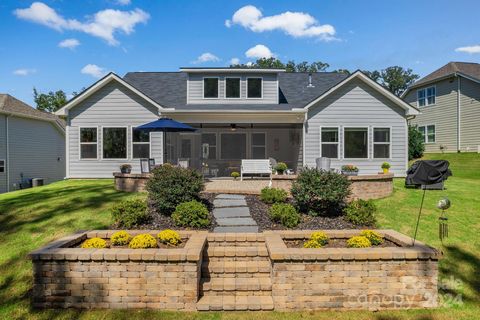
point(426, 96)
point(88, 143)
point(232, 87)
point(140, 144)
point(114, 143)
point(233, 146)
point(381, 143)
point(355, 143)
point(329, 138)
point(258, 146)
point(210, 87)
point(254, 87)
point(428, 133)
point(209, 145)
point(2, 166)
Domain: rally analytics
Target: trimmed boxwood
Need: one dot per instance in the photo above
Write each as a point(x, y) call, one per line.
point(284, 214)
point(191, 214)
point(130, 212)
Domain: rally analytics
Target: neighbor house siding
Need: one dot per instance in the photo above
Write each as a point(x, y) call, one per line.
point(469, 115)
point(112, 105)
point(443, 115)
point(195, 89)
point(358, 105)
point(37, 150)
point(3, 152)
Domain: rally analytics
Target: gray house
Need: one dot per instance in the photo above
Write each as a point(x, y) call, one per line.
point(32, 144)
point(449, 101)
point(240, 114)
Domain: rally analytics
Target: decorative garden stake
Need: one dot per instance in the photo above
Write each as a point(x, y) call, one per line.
point(443, 204)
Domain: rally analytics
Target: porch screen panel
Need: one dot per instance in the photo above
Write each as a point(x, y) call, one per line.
point(356, 143)
point(258, 146)
point(114, 143)
point(209, 140)
point(233, 146)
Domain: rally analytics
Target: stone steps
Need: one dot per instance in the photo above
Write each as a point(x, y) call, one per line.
point(229, 269)
point(225, 285)
point(235, 303)
point(226, 252)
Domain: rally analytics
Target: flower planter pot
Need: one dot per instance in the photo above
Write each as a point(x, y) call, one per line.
point(126, 170)
point(385, 171)
point(350, 173)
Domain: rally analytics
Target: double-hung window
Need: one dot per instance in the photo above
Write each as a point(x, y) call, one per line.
point(258, 145)
point(210, 88)
point(88, 143)
point(428, 133)
point(426, 96)
point(2, 166)
point(329, 138)
point(114, 140)
point(254, 88)
point(355, 143)
point(232, 88)
point(381, 143)
point(140, 144)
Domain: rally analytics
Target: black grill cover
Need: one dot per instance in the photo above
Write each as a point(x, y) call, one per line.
point(426, 172)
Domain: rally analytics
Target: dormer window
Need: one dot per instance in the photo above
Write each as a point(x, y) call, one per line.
point(426, 96)
point(210, 88)
point(254, 88)
point(232, 88)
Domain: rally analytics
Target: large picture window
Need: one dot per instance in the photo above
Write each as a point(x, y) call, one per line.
point(355, 143)
point(233, 146)
point(210, 87)
point(88, 143)
point(329, 138)
point(258, 145)
point(232, 88)
point(254, 87)
point(114, 143)
point(381, 143)
point(140, 144)
point(209, 146)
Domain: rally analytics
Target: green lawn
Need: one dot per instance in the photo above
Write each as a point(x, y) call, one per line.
point(31, 218)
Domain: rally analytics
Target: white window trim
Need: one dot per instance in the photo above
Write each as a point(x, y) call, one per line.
point(217, 147)
point(426, 132)
point(225, 88)
point(261, 88)
point(203, 88)
point(126, 144)
point(4, 166)
point(257, 145)
point(389, 143)
point(220, 145)
point(425, 90)
point(80, 143)
point(337, 143)
point(132, 143)
point(368, 142)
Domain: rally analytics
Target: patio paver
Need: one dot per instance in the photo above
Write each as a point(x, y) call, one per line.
point(232, 214)
point(222, 203)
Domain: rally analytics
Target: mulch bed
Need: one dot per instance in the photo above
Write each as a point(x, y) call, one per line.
point(335, 243)
point(259, 212)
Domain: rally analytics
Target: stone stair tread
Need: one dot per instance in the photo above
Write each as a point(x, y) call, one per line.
point(231, 212)
point(237, 229)
point(236, 221)
point(229, 196)
point(233, 251)
point(226, 203)
point(222, 266)
point(231, 303)
point(236, 284)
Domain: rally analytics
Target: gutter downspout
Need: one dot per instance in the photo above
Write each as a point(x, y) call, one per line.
point(8, 152)
point(304, 138)
point(459, 87)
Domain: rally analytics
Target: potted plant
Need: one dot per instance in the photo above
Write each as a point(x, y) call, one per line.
point(385, 166)
point(125, 168)
point(281, 167)
point(349, 170)
point(235, 175)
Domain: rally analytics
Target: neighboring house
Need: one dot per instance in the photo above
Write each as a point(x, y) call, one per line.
point(240, 114)
point(32, 144)
point(449, 102)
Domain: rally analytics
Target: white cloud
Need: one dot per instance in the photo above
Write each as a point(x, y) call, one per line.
point(295, 24)
point(469, 49)
point(104, 24)
point(24, 72)
point(69, 43)
point(234, 61)
point(124, 2)
point(259, 51)
point(207, 57)
point(93, 70)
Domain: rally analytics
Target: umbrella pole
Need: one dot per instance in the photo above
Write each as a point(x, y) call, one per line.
point(418, 219)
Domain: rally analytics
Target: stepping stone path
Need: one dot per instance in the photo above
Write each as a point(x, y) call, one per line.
point(232, 214)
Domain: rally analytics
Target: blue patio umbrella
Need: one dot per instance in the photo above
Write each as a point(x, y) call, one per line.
point(165, 125)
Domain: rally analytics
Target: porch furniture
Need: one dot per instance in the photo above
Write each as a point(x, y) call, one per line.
point(147, 165)
point(184, 163)
point(256, 166)
point(323, 163)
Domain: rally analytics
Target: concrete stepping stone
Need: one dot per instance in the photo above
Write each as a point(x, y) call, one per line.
point(223, 203)
point(236, 222)
point(229, 196)
point(231, 212)
point(240, 229)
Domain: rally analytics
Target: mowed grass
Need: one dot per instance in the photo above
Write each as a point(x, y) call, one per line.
point(32, 218)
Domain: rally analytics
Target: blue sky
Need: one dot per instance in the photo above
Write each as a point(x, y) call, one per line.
point(134, 35)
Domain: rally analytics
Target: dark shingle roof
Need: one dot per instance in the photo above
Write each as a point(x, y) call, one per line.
point(169, 89)
point(467, 68)
point(11, 105)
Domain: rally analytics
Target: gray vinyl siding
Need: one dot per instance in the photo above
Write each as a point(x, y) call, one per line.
point(358, 105)
point(195, 89)
point(112, 105)
point(3, 153)
point(443, 115)
point(469, 115)
point(37, 150)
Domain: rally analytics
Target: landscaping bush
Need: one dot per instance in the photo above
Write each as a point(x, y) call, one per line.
point(131, 212)
point(191, 214)
point(281, 167)
point(374, 237)
point(361, 212)
point(317, 240)
point(235, 175)
point(416, 143)
point(286, 214)
point(168, 236)
point(143, 241)
point(358, 242)
point(120, 238)
point(273, 195)
point(320, 192)
point(169, 186)
point(97, 243)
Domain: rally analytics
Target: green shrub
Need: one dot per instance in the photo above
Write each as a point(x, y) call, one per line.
point(386, 165)
point(131, 212)
point(320, 192)
point(168, 236)
point(358, 242)
point(120, 238)
point(281, 167)
point(235, 175)
point(361, 212)
point(273, 195)
point(416, 143)
point(191, 214)
point(169, 186)
point(374, 237)
point(284, 214)
point(97, 243)
point(143, 241)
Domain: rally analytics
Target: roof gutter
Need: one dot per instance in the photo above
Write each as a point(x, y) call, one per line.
point(292, 111)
